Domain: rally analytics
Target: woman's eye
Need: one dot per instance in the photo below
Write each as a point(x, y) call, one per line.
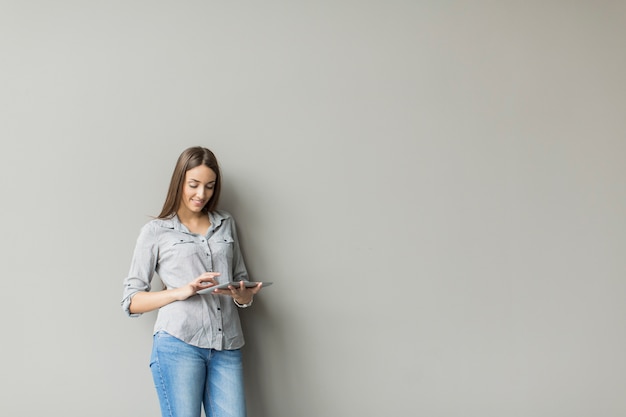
point(193, 186)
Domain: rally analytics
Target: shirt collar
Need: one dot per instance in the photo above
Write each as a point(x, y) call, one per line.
point(216, 218)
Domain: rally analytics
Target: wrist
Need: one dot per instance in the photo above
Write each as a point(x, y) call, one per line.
point(243, 305)
point(179, 294)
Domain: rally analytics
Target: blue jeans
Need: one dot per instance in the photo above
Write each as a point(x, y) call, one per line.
point(186, 377)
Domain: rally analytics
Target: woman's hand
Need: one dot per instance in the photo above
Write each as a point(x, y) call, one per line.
point(240, 293)
point(206, 280)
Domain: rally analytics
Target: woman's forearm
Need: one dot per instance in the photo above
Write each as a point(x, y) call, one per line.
point(145, 301)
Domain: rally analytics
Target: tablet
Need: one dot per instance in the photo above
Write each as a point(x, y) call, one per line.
point(249, 284)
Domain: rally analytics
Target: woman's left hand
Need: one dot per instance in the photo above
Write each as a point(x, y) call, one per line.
point(240, 293)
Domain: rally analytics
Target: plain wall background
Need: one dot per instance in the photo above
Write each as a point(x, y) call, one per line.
point(436, 188)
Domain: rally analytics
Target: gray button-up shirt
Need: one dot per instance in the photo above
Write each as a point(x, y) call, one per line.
point(179, 256)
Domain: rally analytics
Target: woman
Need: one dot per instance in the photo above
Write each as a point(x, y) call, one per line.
point(192, 246)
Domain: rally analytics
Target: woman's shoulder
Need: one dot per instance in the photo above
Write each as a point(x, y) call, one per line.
point(156, 223)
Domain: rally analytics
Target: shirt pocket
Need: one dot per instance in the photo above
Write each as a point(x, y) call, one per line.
point(184, 248)
point(222, 246)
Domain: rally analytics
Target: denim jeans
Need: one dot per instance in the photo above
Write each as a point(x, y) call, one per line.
point(186, 377)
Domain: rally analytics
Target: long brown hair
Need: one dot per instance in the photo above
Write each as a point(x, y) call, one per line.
point(189, 159)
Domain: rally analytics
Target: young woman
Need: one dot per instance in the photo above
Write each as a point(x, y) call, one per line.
point(192, 246)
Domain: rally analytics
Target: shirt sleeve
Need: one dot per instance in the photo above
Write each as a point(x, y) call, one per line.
point(240, 273)
point(142, 267)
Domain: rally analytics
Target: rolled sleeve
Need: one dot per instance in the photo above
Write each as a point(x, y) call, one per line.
point(142, 268)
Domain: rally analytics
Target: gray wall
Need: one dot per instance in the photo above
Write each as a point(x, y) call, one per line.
point(436, 188)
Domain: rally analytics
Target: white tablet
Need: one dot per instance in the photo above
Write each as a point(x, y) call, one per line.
point(249, 284)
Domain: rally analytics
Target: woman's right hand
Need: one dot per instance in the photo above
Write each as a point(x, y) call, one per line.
point(204, 281)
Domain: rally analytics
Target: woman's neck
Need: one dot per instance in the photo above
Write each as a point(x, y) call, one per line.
point(195, 222)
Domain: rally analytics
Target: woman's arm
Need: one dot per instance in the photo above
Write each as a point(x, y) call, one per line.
point(145, 301)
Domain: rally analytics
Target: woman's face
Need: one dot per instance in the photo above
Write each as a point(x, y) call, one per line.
point(197, 189)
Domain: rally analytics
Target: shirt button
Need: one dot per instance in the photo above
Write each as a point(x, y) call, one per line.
point(219, 330)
